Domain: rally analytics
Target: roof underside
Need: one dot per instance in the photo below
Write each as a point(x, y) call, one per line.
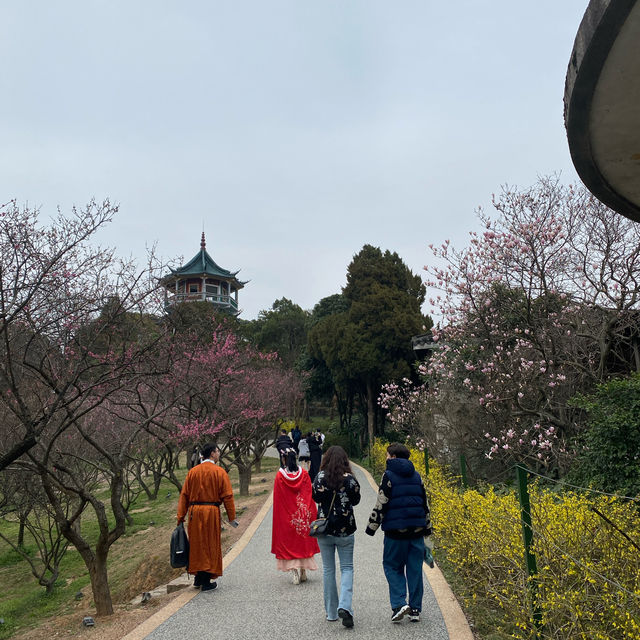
point(602, 95)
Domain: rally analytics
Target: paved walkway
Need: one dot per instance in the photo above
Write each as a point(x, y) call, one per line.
point(255, 601)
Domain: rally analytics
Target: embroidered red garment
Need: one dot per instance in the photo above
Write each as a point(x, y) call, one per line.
point(293, 510)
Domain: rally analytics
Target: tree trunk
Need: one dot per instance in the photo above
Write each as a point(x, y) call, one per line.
point(244, 475)
point(257, 465)
point(100, 585)
point(21, 533)
point(139, 477)
point(371, 413)
point(77, 525)
point(174, 480)
point(50, 583)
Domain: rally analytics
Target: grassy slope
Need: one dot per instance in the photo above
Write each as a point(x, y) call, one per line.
point(138, 562)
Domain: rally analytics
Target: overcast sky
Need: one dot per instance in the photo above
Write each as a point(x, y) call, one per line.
point(294, 131)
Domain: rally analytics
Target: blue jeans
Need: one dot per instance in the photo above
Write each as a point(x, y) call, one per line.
point(402, 556)
point(328, 547)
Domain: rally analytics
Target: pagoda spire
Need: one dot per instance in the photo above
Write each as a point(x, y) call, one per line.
point(203, 244)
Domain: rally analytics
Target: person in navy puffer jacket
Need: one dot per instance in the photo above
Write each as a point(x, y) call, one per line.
point(403, 512)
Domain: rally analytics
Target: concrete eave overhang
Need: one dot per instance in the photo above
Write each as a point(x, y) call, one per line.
point(602, 103)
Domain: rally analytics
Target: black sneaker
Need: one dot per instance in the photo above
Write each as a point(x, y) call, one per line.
point(209, 586)
point(346, 617)
point(400, 612)
point(414, 615)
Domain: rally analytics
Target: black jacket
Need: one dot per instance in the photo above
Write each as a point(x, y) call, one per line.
point(283, 443)
point(341, 519)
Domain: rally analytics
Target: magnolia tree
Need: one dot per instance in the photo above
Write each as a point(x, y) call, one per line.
point(236, 397)
point(541, 305)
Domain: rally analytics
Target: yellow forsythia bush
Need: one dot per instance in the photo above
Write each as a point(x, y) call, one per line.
point(588, 581)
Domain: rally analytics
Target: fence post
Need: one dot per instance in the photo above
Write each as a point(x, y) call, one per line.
point(463, 471)
point(426, 461)
point(527, 536)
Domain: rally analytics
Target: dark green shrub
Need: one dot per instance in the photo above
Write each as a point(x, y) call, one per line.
point(609, 449)
point(339, 439)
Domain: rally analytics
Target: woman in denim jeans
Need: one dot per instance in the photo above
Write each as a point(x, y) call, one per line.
point(336, 477)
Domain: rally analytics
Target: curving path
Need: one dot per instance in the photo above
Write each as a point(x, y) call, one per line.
point(253, 600)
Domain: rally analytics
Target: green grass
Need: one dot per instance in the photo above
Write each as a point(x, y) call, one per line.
point(324, 424)
point(24, 603)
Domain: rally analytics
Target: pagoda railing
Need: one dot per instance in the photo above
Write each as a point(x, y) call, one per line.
point(218, 300)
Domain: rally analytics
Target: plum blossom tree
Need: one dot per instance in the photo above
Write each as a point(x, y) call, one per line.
point(237, 395)
point(75, 465)
point(52, 283)
point(255, 405)
point(24, 501)
point(541, 305)
point(75, 335)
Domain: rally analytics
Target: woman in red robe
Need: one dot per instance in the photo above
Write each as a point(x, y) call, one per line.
point(293, 511)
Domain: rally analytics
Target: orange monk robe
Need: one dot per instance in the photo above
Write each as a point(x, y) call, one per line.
point(206, 482)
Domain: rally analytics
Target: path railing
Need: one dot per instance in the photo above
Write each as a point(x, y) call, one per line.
point(552, 560)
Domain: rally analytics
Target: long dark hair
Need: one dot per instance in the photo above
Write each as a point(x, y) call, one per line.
point(291, 462)
point(335, 463)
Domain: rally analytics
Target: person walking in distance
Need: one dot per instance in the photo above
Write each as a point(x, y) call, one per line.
point(194, 458)
point(293, 511)
point(296, 436)
point(304, 455)
point(336, 491)
point(283, 444)
point(402, 511)
point(315, 453)
point(206, 487)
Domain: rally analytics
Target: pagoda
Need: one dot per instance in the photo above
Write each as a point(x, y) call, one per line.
point(202, 280)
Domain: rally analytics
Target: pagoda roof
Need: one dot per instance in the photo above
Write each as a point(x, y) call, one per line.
point(203, 264)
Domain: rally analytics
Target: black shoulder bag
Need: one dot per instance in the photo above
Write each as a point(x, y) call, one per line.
point(319, 527)
point(179, 547)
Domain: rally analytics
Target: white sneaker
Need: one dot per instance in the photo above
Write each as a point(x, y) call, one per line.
point(296, 576)
point(303, 575)
point(399, 612)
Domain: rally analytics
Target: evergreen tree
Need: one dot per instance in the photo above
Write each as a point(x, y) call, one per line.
point(369, 342)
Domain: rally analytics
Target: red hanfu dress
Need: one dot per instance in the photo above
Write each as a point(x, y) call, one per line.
point(293, 511)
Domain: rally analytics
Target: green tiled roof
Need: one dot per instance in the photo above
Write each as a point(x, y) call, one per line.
point(203, 264)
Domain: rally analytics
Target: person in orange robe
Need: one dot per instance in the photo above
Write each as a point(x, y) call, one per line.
point(206, 487)
point(293, 511)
